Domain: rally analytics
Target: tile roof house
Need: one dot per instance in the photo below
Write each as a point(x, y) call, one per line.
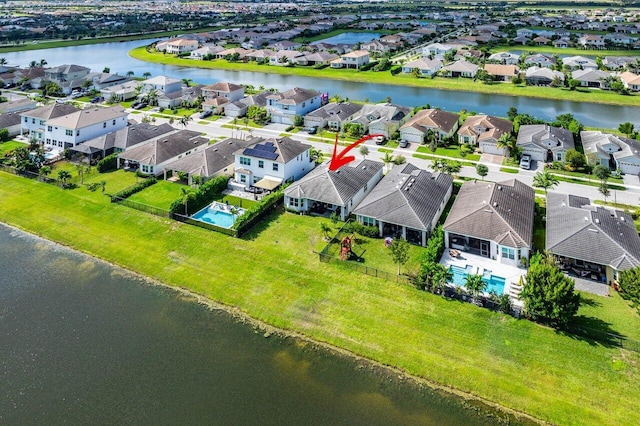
point(537, 76)
point(181, 45)
point(232, 92)
point(332, 115)
point(630, 80)
point(408, 202)
point(151, 157)
point(121, 140)
point(356, 59)
point(19, 105)
point(540, 60)
point(592, 241)
point(214, 160)
point(12, 122)
point(460, 68)
point(506, 58)
point(339, 191)
point(614, 152)
point(316, 58)
point(383, 119)
point(591, 78)
point(484, 131)
point(424, 65)
point(239, 108)
point(442, 123)
point(284, 106)
point(545, 143)
point(579, 62)
point(502, 72)
point(270, 162)
point(65, 73)
point(493, 220)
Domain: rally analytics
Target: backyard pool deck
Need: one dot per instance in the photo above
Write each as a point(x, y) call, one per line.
point(479, 264)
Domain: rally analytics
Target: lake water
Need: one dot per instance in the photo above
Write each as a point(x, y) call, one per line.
point(115, 56)
point(350, 38)
point(85, 343)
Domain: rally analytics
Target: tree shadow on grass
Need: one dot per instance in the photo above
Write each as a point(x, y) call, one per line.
point(263, 224)
point(593, 331)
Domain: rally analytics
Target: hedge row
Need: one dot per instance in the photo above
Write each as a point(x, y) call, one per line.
point(435, 246)
point(251, 215)
point(110, 162)
point(128, 192)
point(201, 196)
point(364, 230)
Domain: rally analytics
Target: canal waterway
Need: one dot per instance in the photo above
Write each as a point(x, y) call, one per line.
point(87, 343)
point(115, 57)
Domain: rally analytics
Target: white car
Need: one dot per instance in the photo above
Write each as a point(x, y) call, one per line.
point(525, 162)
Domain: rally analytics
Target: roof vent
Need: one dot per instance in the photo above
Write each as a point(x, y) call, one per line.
point(586, 219)
point(593, 230)
point(622, 218)
point(500, 188)
point(597, 220)
point(495, 204)
point(364, 167)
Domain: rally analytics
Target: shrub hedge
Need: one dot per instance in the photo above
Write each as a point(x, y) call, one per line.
point(201, 196)
point(364, 230)
point(110, 162)
point(128, 192)
point(435, 246)
point(251, 215)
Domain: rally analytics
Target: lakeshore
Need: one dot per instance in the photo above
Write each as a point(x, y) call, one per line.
point(513, 363)
point(581, 95)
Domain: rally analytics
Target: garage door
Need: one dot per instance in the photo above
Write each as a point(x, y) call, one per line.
point(536, 155)
point(491, 148)
point(629, 168)
point(410, 137)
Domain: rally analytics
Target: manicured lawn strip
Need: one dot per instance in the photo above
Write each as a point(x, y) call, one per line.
point(509, 170)
point(448, 152)
point(160, 195)
point(235, 201)
point(595, 182)
point(584, 175)
point(9, 146)
point(612, 310)
point(460, 84)
point(272, 275)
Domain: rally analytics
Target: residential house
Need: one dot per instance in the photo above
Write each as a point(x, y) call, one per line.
point(12, 122)
point(426, 67)
point(541, 41)
point(540, 60)
point(212, 161)
point(356, 59)
point(176, 98)
point(537, 76)
point(592, 78)
point(19, 105)
point(442, 123)
point(438, 50)
point(375, 46)
point(484, 131)
point(284, 106)
point(101, 80)
point(545, 143)
point(161, 84)
point(579, 62)
point(619, 39)
point(121, 140)
point(216, 105)
point(332, 115)
point(76, 127)
point(237, 52)
point(611, 151)
point(382, 119)
point(506, 58)
point(630, 80)
point(66, 73)
point(285, 57)
point(338, 191)
point(268, 163)
point(592, 242)
point(408, 202)
point(239, 108)
point(121, 92)
point(560, 43)
point(205, 52)
point(493, 220)
point(500, 72)
point(180, 45)
point(261, 55)
point(230, 91)
point(523, 40)
point(619, 62)
point(284, 45)
point(591, 41)
point(317, 58)
point(152, 156)
point(34, 121)
point(460, 68)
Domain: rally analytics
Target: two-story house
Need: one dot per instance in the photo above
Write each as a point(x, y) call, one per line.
point(356, 59)
point(162, 84)
point(284, 106)
point(484, 131)
point(230, 91)
point(33, 122)
point(268, 163)
point(79, 126)
point(65, 73)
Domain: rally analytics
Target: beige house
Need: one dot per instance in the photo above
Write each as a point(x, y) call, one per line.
point(181, 45)
point(484, 131)
point(356, 59)
point(442, 123)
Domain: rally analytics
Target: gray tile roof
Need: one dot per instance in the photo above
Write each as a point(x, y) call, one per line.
point(294, 96)
point(334, 187)
point(211, 160)
point(165, 147)
point(48, 112)
point(500, 212)
point(129, 136)
point(88, 117)
point(579, 230)
point(540, 134)
point(342, 110)
point(9, 119)
point(407, 196)
point(285, 147)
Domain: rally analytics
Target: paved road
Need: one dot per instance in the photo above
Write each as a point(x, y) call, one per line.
point(214, 129)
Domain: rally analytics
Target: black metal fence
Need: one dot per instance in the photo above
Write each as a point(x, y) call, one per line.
point(156, 211)
point(364, 269)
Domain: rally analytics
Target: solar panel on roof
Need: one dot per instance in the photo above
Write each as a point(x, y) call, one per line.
point(265, 147)
point(259, 153)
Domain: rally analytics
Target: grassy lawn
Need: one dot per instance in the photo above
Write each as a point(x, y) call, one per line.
point(583, 175)
point(272, 275)
point(453, 152)
point(610, 310)
point(509, 170)
point(594, 182)
point(235, 201)
point(384, 77)
point(160, 195)
point(539, 227)
point(9, 146)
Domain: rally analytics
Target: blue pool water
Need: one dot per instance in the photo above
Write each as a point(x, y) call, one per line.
point(494, 282)
point(214, 215)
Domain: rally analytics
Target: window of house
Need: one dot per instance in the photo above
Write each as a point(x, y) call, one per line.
point(26, 119)
point(49, 128)
point(243, 178)
point(369, 221)
point(261, 164)
point(42, 122)
point(114, 122)
point(559, 158)
point(245, 161)
point(77, 132)
point(104, 125)
point(294, 202)
point(68, 132)
point(275, 167)
point(508, 253)
point(33, 121)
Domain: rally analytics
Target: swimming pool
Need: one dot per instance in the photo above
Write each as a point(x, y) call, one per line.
point(494, 282)
point(218, 214)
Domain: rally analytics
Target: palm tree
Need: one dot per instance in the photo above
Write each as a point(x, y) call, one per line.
point(317, 155)
point(441, 276)
point(184, 120)
point(152, 97)
point(187, 195)
point(387, 159)
point(146, 75)
point(43, 62)
point(64, 176)
point(509, 143)
point(475, 285)
point(33, 64)
point(130, 73)
point(364, 151)
point(325, 229)
point(186, 81)
point(3, 61)
point(431, 140)
point(545, 180)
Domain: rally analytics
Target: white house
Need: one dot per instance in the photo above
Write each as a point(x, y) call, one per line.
point(121, 92)
point(284, 106)
point(544, 143)
point(181, 45)
point(338, 191)
point(66, 73)
point(356, 59)
point(33, 122)
point(630, 80)
point(437, 50)
point(579, 62)
point(613, 152)
point(442, 123)
point(506, 58)
point(268, 163)
point(460, 68)
point(79, 126)
point(425, 66)
point(161, 83)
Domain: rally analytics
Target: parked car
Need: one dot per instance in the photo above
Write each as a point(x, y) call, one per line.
point(403, 144)
point(379, 140)
point(312, 130)
point(138, 105)
point(525, 162)
point(205, 114)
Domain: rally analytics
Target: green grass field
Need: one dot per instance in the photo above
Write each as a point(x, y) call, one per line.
point(161, 194)
point(272, 275)
point(9, 146)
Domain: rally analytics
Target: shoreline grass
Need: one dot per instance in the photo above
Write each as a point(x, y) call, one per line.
point(514, 363)
point(441, 83)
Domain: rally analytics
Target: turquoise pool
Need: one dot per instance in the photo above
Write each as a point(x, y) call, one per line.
point(494, 282)
point(217, 214)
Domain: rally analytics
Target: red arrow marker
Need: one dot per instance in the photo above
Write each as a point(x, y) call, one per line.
point(339, 160)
